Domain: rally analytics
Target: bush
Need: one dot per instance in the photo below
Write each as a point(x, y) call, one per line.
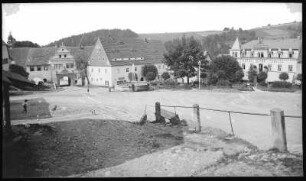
point(262, 76)
point(150, 76)
point(263, 84)
point(299, 77)
point(281, 84)
point(170, 82)
point(165, 75)
point(283, 76)
point(223, 83)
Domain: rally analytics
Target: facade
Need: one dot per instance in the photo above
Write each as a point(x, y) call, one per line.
point(110, 63)
point(274, 56)
point(51, 64)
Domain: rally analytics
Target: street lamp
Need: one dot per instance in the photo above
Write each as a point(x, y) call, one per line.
point(199, 63)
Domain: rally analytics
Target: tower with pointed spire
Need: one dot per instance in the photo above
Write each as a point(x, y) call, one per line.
point(236, 48)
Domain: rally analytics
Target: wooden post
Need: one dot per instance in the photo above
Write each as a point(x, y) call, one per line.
point(157, 112)
point(196, 117)
point(278, 129)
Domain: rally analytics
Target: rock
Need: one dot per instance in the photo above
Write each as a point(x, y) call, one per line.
point(37, 133)
point(38, 170)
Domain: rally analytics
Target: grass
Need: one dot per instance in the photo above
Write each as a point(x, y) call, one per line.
point(272, 89)
point(68, 148)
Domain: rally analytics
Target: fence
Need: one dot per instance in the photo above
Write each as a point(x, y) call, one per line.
point(277, 121)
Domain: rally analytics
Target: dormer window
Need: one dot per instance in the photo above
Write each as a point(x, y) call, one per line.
point(60, 56)
point(62, 49)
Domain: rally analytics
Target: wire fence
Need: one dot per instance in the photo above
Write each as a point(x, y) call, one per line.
point(229, 112)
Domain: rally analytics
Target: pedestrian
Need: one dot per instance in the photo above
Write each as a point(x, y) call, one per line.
point(25, 106)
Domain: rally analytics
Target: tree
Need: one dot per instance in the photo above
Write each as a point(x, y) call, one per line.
point(283, 76)
point(18, 70)
point(239, 74)
point(150, 76)
point(262, 76)
point(149, 68)
point(224, 67)
point(183, 55)
point(11, 40)
point(252, 74)
point(165, 75)
point(299, 77)
point(25, 44)
point(82, 66)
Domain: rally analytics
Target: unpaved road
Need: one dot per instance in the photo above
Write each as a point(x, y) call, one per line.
point(75, 102)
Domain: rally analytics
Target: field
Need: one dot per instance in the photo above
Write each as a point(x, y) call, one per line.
point(76, 103)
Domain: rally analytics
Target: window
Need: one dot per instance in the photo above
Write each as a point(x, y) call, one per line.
point(38, 68)
point(31, 68)
point(269, 67)
point(45, 67)
point(290, 68)
point(135, 68)
point(262, 54)
point(60, 56)
point(127, 70)
point(243, 66)
point(290, 55)
point(62, 49)
point(269, 55)
point(65, 55)
point(279, 55)
point(71, 65)
point(106, 83)
point(279, 67)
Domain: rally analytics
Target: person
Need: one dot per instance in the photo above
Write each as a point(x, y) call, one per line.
point(25, 106)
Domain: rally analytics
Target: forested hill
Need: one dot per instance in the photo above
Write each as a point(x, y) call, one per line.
point(89, 39)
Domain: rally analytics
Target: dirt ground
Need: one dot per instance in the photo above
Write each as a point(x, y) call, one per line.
point(109, 144)
point(129, 106)
point(66, 148)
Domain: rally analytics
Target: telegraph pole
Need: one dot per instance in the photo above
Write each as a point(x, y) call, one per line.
point(199, 74)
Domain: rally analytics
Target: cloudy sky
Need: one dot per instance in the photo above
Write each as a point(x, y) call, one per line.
point(46, 22)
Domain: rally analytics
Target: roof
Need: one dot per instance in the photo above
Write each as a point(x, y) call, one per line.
point(274, 44)
point(19, 55)
point(236, 45)
point(152, 52)
point(10, 77)
point(41, 56)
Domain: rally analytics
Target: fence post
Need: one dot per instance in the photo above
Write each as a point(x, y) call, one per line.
point(196, 117)
point(278, 129)
point(157, 112)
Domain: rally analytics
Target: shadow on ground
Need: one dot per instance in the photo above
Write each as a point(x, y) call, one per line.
point(37, 108)
point(74, 147)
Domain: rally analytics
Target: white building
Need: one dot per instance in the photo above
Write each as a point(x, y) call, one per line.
point(111, 62)
point(277, 56)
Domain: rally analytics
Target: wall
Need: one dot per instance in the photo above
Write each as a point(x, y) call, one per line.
point(99, 75)
point(43, 74)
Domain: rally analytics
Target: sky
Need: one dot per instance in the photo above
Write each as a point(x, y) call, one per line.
point(44, 23)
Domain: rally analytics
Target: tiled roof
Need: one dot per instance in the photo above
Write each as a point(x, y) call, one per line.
point(41, 56)
point(274, 44)
point(152, 52)
point(236, 45)
point(19, 55)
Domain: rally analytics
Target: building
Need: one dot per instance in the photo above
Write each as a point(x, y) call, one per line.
point(111, 61)
point(274, 56)
point(51, 64)
point(6, 58)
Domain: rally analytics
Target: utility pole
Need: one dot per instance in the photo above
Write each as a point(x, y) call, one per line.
point(199, 74)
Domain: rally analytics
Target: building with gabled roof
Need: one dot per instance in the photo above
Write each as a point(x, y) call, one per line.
point(111, 61)
point(273, 56)
point(51, 63)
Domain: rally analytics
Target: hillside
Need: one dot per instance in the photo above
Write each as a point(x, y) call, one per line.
point(170, 36)
point(286, 30)
point(89, 39)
